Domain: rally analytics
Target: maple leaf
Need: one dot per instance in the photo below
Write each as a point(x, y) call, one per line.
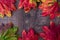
point(6, 6)
point(27, 5)
point(30, 35)
point(51, 33)
point(50, 7)
point(9, 34)
point(8, 31)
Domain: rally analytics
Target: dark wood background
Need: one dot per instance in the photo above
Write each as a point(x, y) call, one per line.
point(32, 19)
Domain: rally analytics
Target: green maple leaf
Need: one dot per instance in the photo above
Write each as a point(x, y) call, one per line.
point(9, 34)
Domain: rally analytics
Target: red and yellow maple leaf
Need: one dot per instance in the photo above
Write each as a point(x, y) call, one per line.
point(50, 7)
point(27, 5)
point(6, 6)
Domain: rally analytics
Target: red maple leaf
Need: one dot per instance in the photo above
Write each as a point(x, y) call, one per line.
point(30, 35)
point(51, 10)
point(51, 33)
point(27, 5)
point(6, 6)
